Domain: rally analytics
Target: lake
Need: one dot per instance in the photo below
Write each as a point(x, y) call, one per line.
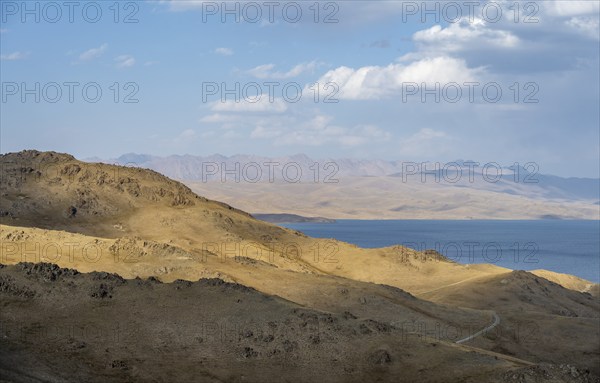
point(571, 247)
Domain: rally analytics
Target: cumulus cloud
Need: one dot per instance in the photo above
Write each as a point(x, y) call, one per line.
point(267, 71)
point(587, 26)
point(376, 82)
point(570, 8)
point(259, 104)
point(217, 118)
point(463, 35)
point(93, 53)
point(125, 61)
point(473, 49)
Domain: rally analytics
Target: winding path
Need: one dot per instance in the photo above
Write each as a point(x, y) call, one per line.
point(488, 328)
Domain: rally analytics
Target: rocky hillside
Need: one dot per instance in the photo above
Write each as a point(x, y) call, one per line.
point(63, 326)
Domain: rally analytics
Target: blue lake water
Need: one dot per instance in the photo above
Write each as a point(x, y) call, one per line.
point(571, 247)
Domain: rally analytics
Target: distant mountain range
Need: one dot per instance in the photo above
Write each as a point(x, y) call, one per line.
point(371, 189)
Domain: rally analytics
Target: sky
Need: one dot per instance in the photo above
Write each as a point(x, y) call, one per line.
point(498, 81)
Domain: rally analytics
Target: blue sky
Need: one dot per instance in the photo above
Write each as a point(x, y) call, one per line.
point(370, 58)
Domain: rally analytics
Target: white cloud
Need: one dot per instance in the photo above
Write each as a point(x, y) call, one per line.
point(93, 53)
point(13, 56)
point(527, 46)
point(125, 61)
point(376, 82)
point(261, 71)
point(571, 8)
point(217, 118)
point(224, 51)
point(463, 35)
point(3, 30)
point(263, 104)
point(266, 71)
point(586, 26)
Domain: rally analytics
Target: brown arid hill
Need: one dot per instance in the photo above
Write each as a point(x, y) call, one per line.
point(554, 315)
point(61, 213)
point(99, 327)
